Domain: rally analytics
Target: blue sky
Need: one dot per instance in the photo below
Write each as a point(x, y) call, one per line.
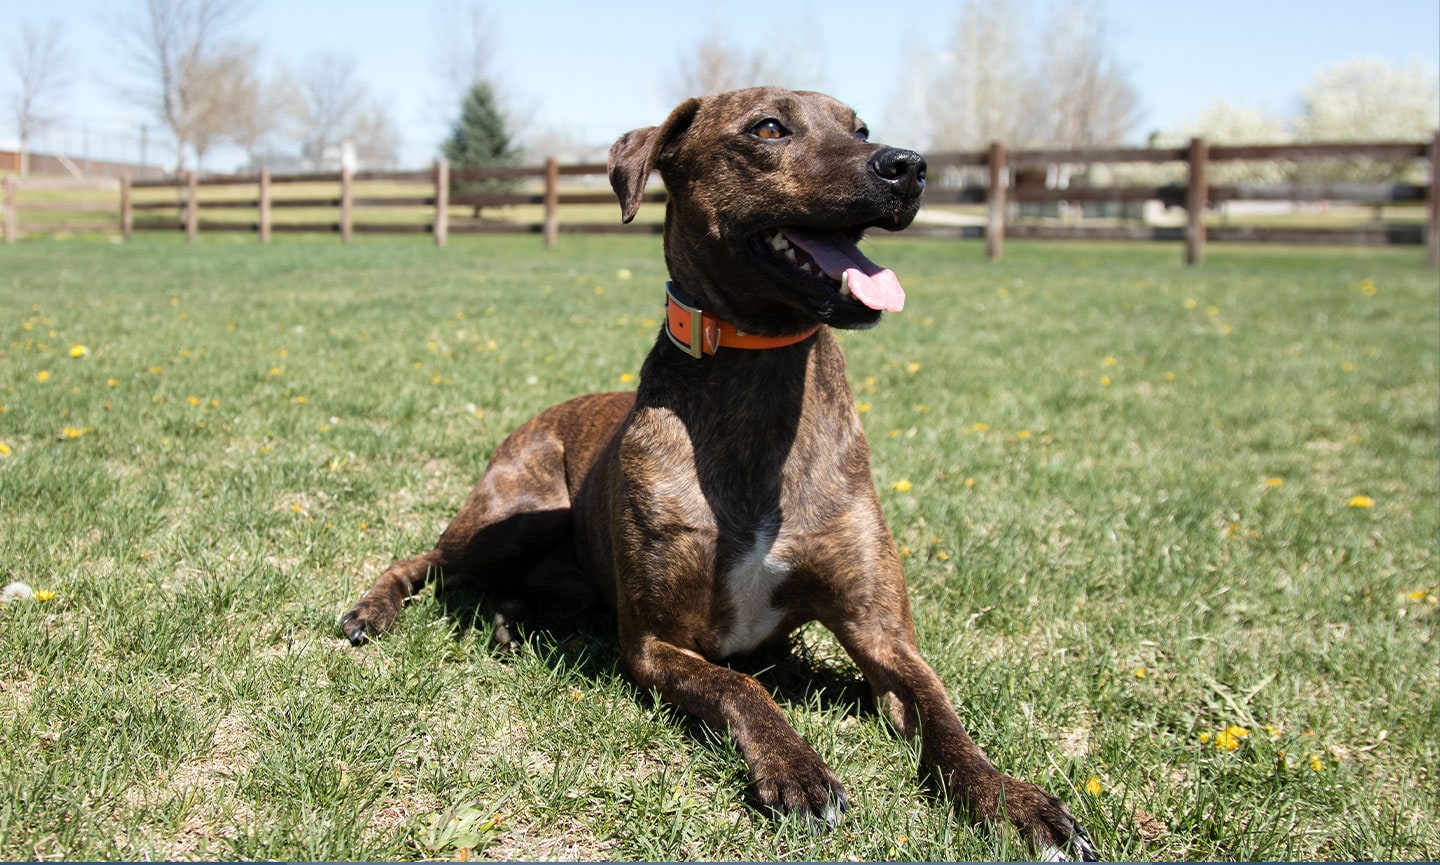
point(597, 69)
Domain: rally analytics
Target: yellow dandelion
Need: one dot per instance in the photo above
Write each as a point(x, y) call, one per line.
point(1023, 434)
point(1204, 738)
point(300, 400)
point(1347, 366)
point(1316, 764)
point(943, 556)
point(901, 486)
point(1139, 672)
point(73, 432)
point(1367, 288)
point(43, 595)
point(1274, 483)
point(156, 370)
point(623, 273)
point(192, 400)
point(863, 407)
point(913, 366)
point(626, 377)
point(1229, 738)
point(1104, 381)
point(979, 427)
point(112, 382)
point(5, 450)
point(1093, 786)
point(1361, 502)
point(1108, 361)
point(969, 483)
point(78, 350)
point(297, 508)
point(42, 376)
point(1212, 311)
point(599, 290)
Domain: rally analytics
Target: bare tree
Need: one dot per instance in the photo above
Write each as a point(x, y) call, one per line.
point(715, 64)
point(41, 65)
point(1086, 94)
point(178, 45)
point(328, 97)
point(232, 104)
point(465, 50)
point(995, 83)
point(376, 139)
point(982, 90)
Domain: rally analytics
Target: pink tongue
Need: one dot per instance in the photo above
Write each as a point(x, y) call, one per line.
point(869, 283)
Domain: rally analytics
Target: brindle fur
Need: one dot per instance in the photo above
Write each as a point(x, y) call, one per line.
point(657, 500)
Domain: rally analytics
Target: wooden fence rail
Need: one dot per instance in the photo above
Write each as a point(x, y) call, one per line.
point(1003, 180)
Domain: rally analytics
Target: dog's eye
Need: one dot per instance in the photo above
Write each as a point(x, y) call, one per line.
point(863, 134)
point(769, 129)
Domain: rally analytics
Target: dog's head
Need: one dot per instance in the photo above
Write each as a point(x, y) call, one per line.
point(769, 191)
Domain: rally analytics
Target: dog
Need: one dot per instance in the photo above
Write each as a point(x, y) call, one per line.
point(729, 499)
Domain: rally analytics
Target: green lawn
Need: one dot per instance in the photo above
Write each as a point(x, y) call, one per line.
point(1170, 535)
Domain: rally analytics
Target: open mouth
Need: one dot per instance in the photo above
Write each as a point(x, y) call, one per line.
point(830, 260)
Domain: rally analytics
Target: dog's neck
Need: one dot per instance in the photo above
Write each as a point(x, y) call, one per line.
point(698, 333)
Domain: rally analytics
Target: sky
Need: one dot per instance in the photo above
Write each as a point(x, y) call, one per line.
point(594, 70)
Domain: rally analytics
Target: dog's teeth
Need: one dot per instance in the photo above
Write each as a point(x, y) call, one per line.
point(845, 284)
point(778, 242)
point(806, 269)
point(790, 254)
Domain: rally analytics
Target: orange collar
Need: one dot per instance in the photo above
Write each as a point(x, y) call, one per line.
point(683, 322)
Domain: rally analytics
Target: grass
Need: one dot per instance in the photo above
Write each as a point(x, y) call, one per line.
point(1170, 536)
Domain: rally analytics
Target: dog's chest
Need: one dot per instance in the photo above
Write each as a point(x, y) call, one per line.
point(750, 585)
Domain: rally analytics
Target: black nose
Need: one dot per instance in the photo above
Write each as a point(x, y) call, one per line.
point(903, 168)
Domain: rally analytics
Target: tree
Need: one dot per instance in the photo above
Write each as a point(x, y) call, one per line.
point(377, 141)
point(994, 83)
point(326, 101)
point(178, 45)
point(1222, 122)
point(714, 64)
point(1083, 90)
point(1368, 100)
point(478, 139)
point(982, 91)
point(464, 49)
point(41, 65)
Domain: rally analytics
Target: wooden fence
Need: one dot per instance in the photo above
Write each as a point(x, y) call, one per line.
point(367, 201)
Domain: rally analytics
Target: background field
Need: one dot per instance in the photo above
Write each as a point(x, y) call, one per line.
point(1170, 534)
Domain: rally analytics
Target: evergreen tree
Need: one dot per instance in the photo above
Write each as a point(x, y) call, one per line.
point(479, 139)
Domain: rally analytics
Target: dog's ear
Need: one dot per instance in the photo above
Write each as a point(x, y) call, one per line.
point(633, 156)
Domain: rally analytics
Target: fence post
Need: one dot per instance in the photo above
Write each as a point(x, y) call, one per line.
point(192, 206)
point(995, 198)
point(347, 201)
point(442, 201)
point(264, 205)
point(552, 201)
point(1196, 194)
point(127, 210)
point(1432, 228)
point(8, 205)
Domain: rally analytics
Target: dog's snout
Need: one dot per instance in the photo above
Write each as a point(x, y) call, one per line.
point(904, 168)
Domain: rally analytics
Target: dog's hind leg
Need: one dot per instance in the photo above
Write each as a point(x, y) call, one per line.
point(519, 512)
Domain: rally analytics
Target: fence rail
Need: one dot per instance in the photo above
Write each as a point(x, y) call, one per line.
point(429, 201)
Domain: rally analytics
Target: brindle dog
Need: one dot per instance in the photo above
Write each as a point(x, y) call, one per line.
point(729, 500)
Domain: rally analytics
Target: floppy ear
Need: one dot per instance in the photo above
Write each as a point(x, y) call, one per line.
point(633, 155)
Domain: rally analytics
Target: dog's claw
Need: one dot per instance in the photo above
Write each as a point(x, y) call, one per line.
point(354, 630)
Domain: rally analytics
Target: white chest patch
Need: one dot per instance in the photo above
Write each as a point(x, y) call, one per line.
point(749, 587)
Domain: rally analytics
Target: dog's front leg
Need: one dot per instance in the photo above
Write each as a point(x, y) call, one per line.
point(916, 702)
point(787, 773)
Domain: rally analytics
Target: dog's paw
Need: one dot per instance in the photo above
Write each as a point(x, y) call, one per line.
point(801, 784)
point(363, 622)
point(1043, 820)
point(1075, 846)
